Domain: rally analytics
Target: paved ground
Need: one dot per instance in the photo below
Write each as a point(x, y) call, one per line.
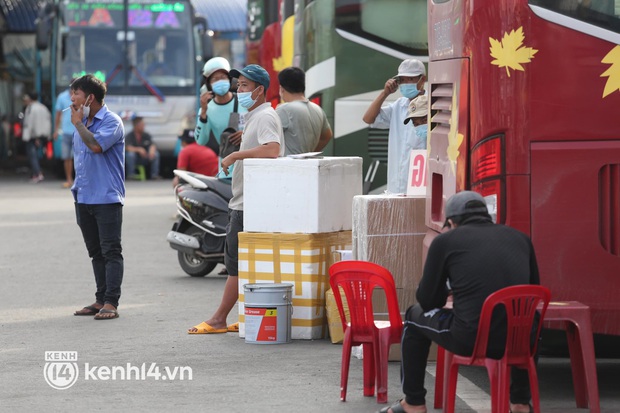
point(45, 275)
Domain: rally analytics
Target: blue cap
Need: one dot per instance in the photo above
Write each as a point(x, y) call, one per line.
point(253, 72)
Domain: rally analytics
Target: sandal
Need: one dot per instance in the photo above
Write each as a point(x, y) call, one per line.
point(396, 408)
point(90, 310)
point(530, 411)
point(106, 311)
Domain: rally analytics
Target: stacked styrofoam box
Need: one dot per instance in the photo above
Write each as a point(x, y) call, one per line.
point(296, 213)
point(300, 195)
point(300, 259)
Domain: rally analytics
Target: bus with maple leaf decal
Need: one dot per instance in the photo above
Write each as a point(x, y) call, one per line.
point(524, 110)
point(347, 52)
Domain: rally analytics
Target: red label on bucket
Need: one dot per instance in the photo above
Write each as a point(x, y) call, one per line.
point(261, 324)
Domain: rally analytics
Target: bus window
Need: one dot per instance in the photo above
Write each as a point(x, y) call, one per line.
point(603, 13)
point(406, 28)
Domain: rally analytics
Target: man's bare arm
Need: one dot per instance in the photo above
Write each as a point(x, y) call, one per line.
point(88, 137)
point(268, 150)
point(324, 139)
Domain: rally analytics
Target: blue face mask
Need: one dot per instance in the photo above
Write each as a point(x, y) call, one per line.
point(409, 90)
point(221, 87)
point(245, 99)
point(422, 131)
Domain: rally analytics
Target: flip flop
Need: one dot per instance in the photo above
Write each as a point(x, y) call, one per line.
point(90, 311)
point(396, 408)
point(204, 328)
point(531, 409)
point(106, 311)
point(233, 328)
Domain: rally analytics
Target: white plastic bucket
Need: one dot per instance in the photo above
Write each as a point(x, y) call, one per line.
point(268, 311)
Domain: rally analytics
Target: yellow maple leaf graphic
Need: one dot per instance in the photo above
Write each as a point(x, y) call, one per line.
point(510, 52)
point(613, 73)
point(455, 139)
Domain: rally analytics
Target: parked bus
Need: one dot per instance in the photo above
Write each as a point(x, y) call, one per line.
point(348, 48)
point(524, 105)
point(148, 52)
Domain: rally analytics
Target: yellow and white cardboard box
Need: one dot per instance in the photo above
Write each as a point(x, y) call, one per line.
point(300, 259)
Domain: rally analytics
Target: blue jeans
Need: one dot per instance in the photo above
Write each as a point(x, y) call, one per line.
point(132, 159)
point(101, 228)
point(32, 150)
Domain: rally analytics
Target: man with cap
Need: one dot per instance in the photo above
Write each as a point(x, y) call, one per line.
point(476, 257)
point(262, 138)
point(401, 140)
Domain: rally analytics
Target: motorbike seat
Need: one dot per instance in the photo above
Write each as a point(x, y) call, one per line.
point(221, 186)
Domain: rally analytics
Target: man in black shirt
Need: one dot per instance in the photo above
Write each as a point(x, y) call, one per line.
point(477, 258)
point(140, 150)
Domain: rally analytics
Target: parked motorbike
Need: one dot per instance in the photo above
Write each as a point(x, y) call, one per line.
point(199, 234)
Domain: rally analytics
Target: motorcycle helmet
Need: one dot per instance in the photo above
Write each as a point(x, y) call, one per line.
point(215, 64)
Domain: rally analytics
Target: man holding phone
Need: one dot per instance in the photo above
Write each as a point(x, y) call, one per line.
point(401, 140)
point(217, 103)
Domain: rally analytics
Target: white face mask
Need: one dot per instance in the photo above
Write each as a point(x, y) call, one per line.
point(86, 109)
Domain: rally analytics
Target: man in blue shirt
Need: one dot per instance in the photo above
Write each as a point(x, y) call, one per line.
point(99, 190)
point(64, 130)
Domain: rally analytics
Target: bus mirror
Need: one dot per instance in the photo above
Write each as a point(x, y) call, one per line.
point(204, 34)
point(207, 47)
point(202, 22)
point(43, 29)
point(42, 33)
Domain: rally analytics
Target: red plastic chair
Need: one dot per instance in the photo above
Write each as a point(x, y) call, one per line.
point(520, 302)
point(358, 279)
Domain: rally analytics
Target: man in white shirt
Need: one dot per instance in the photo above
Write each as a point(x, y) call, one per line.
point(262, 138)
point(401, 139)
point(37, 126)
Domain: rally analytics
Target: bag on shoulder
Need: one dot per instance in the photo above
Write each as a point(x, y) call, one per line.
point(212, 143)
point(226, 147)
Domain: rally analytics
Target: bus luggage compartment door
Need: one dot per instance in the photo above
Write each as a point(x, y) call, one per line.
point(576, 224)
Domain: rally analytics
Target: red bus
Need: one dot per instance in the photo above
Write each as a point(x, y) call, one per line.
point(270, 39)
point(524, 104)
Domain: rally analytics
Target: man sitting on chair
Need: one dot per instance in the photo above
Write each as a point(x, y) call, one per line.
point(140, 149)
point(476, 257)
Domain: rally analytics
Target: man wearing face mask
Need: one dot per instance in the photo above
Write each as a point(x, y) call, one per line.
point(99, 190)
point(216, 105)
point(401, 140)
point(262, 138)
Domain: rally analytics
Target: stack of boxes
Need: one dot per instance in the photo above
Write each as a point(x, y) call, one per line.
point(389, 230)
point(296, 213)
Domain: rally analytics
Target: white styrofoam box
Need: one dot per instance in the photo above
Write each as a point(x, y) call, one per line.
point(309, 196)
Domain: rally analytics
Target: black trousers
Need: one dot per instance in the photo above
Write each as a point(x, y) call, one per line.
point(423, 328)
point(101, 226)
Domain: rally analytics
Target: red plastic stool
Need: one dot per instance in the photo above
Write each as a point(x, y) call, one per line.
point(574, 317)
point(440, 375)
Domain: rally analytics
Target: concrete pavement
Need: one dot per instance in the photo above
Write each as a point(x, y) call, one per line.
point(46, 275)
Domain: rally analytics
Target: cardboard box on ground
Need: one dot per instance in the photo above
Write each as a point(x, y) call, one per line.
point(389, 231)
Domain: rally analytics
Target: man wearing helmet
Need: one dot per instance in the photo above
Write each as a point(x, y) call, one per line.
point(216, 105)
point(477, 258)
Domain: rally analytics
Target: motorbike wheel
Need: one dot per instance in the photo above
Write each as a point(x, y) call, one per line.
point(192, 265)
